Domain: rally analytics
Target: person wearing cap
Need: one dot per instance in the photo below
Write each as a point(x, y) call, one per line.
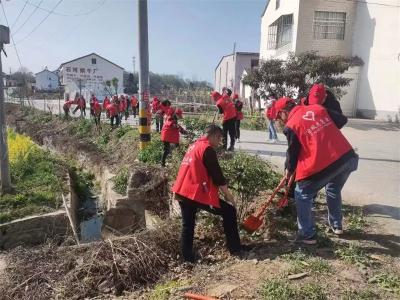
point(319, 155)
point(197, 187)
point(228, 110)
point(329, 101)
point(270, 114)
point(239, 115)
point(170, 134)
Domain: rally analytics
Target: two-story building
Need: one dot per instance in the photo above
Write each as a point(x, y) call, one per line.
point(46, 80)
point(88, 75)
point(340, 27)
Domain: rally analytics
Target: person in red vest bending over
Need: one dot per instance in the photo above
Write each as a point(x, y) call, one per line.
point(170, 134)
point(134, 105)
point(112, 113)
point(106, 101)
point(321, 157)
point(67, 107)
point(239, 115)
point(227, 108)
point(196, 187)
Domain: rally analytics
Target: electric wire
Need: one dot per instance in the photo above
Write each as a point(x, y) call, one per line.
point(27, 19)
point(66, 15)
point(20, 13)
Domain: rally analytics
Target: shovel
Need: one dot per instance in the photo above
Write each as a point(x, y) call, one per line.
point(283, 202)
point(254, 221)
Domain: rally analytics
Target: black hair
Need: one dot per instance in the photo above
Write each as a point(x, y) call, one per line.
point(229, 92)
point(166, 102)
point(213, 129)
point(289, 106)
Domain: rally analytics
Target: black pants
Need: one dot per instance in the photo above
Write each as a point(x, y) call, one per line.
point(189, 209)
point(116, 118)
point(167, 151)
point(237, 129)
point(229, 127)
point(159, 123)
point(97, 119)
point(134, 111)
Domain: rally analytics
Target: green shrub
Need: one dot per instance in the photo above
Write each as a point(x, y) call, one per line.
point(353, 254)
point(121, 131)
point(275, 289)
point(248, 175)
point(83, 182)
point(103, 139)
point(81, 127)
point(121, 181)
point(254, 122)
point(152, 154)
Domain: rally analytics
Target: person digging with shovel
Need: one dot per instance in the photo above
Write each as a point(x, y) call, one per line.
point(196, 187)
point(320, 156)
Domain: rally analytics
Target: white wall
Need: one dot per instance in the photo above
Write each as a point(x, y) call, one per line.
point(377, 42)
point(94, 81)
point(270, 16)
point(225, 73)
point(243, 62)
point(46, 80)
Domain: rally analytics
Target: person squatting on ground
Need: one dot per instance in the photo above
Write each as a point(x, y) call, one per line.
point(170, 134)
point(239, 115)
point(134, 105)
point(199, 180)
point(227, 108)
point(321, 157)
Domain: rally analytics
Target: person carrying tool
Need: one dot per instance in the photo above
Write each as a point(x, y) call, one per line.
point(134, 105)
point(67, 107)
point(196, 187)
point(170, 135)
point(320, 156)
point(227, 108)
point(239, 115)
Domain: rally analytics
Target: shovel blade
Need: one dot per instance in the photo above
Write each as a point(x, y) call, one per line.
point(252, 223)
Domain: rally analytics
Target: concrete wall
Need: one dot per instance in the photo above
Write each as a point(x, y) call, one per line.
point(46, 80)
point(377, 42)
point(225, 73)
point(34, 230)
point(92, 75)
point(305, 37)
point(242, 62)
point(270, 16)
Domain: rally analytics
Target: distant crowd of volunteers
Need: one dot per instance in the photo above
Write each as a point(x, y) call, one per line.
point(318, 156)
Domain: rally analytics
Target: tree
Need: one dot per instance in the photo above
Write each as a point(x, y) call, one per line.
point(24, 79)
point(109, 85)
point(114, 83)
point(298, 73)
point(132, 84)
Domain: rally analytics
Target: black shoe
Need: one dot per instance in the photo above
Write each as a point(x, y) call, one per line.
point(231, 148)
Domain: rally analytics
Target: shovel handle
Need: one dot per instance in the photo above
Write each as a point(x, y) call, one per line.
point(271, 198)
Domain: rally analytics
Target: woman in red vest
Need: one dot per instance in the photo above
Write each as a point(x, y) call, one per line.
point(320, 156)
point(134, 105)
point(67, 106)
point(196, 187)
point(239, 115)
point(97, 113)
point(227, 108)
point(112, 112)
point(170, 135)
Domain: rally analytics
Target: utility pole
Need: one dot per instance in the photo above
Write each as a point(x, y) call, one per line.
point(4, 163)
point(144, 128)
point(134, 64)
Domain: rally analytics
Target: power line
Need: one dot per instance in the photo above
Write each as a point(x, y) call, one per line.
point(12, 37)
point(41, 22)
point(20, 13)
point(37, 6)
point(19, 28)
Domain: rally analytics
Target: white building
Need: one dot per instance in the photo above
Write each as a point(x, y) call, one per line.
point(366, 29)
point(46, 80)
point(88, 74)
point(229, 70)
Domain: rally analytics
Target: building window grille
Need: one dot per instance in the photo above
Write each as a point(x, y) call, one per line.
point(93, 61)
point(277, 4)
point(329, 25)
point(280, 32)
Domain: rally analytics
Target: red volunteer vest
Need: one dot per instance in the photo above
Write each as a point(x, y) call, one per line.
point(270, 113)
point(239, 114)
point(134, 101)
point(155, 105)
point(97, 107)
point(112, 110)
point(193, 181)
point(170, 132)
point(321, 141)
point(106, 103)
point(227, 107)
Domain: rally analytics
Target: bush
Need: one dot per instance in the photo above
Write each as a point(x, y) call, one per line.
point(248, 175)
point(121, 181)
point(254, 122)
point(121, 131)
point(81, 127)
point(152, 154)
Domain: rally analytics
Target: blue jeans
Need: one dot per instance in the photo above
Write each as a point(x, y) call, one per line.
point(272, 130)
point(306, 190)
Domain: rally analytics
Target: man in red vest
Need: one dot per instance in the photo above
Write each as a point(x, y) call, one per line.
point(199, 180)
point(239, 115)
point(227, 108)
point(321, 157)
point(170, 134)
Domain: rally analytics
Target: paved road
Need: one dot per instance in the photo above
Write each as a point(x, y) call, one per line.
point(375, 185)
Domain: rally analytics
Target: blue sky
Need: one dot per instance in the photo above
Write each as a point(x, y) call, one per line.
point(186, 37)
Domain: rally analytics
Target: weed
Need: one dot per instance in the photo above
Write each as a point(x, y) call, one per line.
point(366, 294)
point(387, 282)
point(83, 182)
point(103, 139)
point(121, 181)
point(152, 153)
point(274, 289)
point(254, 122)
point(121, 131)
point(163, 291)
point(311, 291)
point(352, 253)
point(81, 127)
point(355, 221)
point(301, 262)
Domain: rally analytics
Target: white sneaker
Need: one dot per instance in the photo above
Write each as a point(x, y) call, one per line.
point(238, 141)
point(337, 231)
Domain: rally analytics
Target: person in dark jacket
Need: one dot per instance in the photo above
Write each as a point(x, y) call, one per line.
point(320, 156)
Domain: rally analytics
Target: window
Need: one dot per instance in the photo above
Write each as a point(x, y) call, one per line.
point(277, 4)
point(93, 61)
point(329, 25)
point(254, 63)
point(280, 32)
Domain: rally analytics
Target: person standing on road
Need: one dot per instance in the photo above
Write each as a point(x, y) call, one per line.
point(270, 114)
point(97, 113)
point(239, 115)
point(196, 187)
point(227, 108)
point(170, 135)
point(320, 156)
point(106, 102)
point(93, 99)
point(134, 104)
point(112, 112)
